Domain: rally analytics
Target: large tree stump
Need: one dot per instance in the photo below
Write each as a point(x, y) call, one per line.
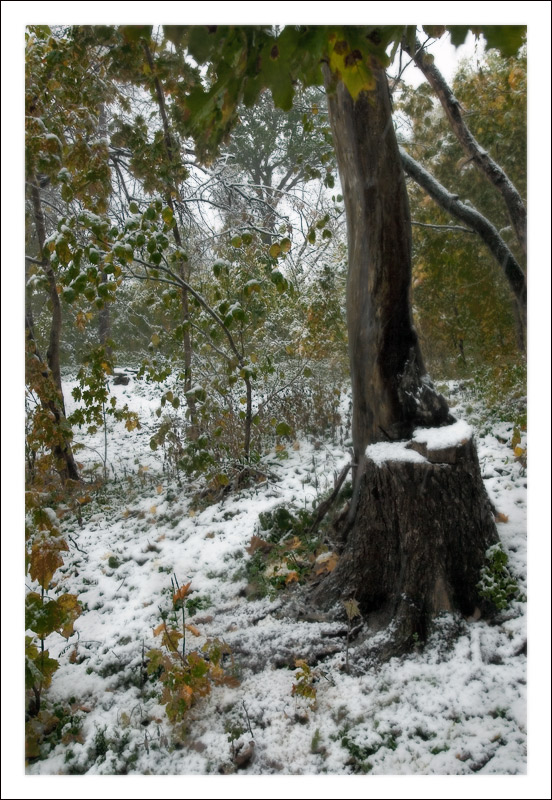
point(418, 539)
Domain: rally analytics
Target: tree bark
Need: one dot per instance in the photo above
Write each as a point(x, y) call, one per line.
point(416, 534)
point(417, 544)
point(391, 392)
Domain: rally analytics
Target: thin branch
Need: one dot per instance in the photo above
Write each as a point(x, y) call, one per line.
point(459, 228)
point(480, 224)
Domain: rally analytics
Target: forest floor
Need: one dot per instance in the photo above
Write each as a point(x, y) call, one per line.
point(451, 708)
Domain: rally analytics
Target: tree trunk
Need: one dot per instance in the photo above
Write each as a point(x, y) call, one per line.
point(104, 325)
point(391, 394)
point(63, 454)
point(417, 545)
point(416, 532)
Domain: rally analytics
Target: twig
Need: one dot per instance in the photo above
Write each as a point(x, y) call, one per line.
point(247, 718)
point(73, 542)
point(324, 507)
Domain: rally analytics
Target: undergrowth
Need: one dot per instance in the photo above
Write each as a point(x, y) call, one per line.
point(186, 677)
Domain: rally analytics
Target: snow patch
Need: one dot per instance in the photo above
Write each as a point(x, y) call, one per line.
point(381, 452)
point(440, 438)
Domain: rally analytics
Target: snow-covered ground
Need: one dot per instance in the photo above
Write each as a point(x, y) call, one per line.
point(460, 711)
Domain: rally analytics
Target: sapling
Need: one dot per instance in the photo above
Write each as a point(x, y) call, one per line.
point(352, 610)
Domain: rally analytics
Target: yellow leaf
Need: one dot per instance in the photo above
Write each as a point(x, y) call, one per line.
point(294, 544)
point(71, 611)
point(519, 451)
point(153, 510)
point(326, 563)
point(186, 693)
point(45, 559)
point(159, 489)
point(352, 609)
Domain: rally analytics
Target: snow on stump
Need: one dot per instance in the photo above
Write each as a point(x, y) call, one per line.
point(418, 540)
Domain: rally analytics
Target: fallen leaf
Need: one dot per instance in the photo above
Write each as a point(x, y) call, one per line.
point(243, 757)
point(500, 517)
point(326, 563)
point(257, 543)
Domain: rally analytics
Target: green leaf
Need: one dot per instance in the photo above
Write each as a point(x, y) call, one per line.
point(167, 215)
point(66, 193)
point(41, 616)
point(175, 33)
point(435, 31)
point(505, 38)
point(201, 42)
point(252, 286)
point(283, 429)
point(219, 267)
point(134, 33)
point(275, 250)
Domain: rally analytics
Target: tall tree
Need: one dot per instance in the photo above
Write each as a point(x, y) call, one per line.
point(63, 154)
point(402, 559)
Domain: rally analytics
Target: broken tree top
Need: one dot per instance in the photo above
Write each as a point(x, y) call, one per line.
point(437, 445)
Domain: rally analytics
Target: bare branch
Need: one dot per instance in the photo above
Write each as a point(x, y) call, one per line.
point(481, 158)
